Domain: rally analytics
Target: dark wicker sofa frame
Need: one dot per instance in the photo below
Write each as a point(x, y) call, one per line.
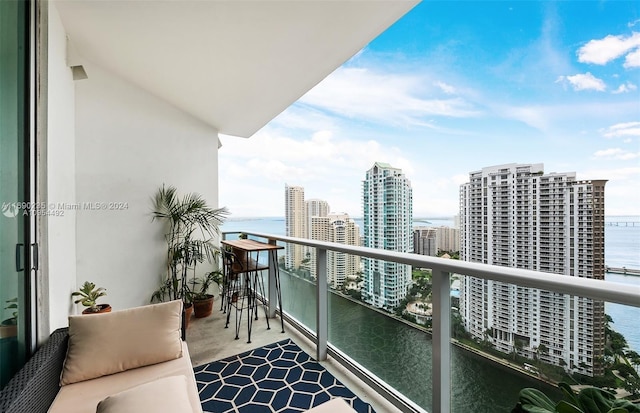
point(35, 386)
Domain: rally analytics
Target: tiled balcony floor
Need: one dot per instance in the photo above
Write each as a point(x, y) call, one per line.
point(208, 340)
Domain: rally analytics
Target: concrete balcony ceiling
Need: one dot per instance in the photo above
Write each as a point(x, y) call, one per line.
point(235, 65)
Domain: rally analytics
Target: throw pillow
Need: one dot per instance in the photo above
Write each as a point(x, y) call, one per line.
point(102, 344)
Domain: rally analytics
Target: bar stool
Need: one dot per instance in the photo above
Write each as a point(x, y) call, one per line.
point(243, 288)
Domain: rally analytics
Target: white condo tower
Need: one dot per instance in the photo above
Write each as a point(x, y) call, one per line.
point(514, 215)
point(294, 218)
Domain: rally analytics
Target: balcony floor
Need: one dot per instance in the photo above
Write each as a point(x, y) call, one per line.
point(208, 341)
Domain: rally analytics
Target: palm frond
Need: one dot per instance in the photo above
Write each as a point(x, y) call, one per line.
point(192, 226)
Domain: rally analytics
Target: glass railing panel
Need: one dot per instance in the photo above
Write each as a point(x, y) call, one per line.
point(557, 338)
point(392, 348)
point(298, 289)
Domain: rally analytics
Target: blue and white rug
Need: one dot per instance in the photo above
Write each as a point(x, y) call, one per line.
point(277, 378)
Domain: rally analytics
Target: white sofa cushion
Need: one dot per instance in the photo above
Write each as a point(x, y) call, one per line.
point(83, 396)
point(337, 405)
point(103, 344)
point(166, 395)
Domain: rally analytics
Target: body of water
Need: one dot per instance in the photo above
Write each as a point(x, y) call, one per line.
point(401, 354)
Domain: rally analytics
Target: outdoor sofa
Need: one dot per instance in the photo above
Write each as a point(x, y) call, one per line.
point(124, 361)
point(111, 362)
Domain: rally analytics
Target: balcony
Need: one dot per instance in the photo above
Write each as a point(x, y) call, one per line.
point(407, 368)
point(176, 115)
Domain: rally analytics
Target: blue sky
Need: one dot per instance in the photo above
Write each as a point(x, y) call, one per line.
point(451, 88)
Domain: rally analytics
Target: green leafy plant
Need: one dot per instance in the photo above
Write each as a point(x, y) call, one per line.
point(242, 235)
point(89, 294)
point(200, 286)
point(191, 226)
point(12, 304)
point(588, 400)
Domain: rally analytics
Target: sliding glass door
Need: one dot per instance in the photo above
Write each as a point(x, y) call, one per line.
point(14, 188)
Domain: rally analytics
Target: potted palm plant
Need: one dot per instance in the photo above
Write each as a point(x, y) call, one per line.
point(89, 295)
point(192, 227)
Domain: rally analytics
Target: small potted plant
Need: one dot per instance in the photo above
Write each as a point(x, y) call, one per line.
point(202, 300)
point(9, 327)
point(89, 294)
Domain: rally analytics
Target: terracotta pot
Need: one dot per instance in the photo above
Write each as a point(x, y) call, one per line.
point(102, 308)
point(203, 308)
point(8, 330)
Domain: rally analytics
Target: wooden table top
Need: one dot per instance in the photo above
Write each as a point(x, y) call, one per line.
point(250, 245)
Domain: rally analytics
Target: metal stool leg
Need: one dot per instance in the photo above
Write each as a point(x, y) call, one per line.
point(278, 289)
point(263, 300)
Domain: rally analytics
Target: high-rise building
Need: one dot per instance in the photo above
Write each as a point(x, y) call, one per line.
point(314, 208)
point(341, 229)
point(388, 213)
point(424, 241)
point(447, 239)
point(516, 216)
point(294, 220)
point(433, 240)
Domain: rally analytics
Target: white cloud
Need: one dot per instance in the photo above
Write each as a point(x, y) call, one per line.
point(325, 165)
point(391, 99)
point(305, 118)
point(448, 89)
point(616, 154)
point(584, 81)
point(632, 59)
point(611, 47)
point(536, 117)
point(622, 130)
point(546, 117)
point(625, 88)
point(620, 175)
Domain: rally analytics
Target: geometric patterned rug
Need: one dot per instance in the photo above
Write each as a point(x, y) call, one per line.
point(277, 378)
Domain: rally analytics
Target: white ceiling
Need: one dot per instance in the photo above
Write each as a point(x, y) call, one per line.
point(234, 64)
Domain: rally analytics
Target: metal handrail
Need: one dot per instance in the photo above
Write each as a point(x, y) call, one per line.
point(585, 287)
point(442, 268)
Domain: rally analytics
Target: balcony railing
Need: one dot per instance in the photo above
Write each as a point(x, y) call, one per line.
point(441, 305)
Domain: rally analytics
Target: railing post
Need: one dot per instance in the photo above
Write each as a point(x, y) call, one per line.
point(272, 294)
point(441, 342)
point(322, 309)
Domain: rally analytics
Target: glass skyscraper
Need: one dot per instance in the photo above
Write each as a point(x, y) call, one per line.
point(387, 202)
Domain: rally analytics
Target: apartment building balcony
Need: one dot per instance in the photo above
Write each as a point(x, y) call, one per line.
point(139, 95)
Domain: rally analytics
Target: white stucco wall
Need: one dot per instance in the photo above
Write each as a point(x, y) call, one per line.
point(128, 143)
point(57, 163)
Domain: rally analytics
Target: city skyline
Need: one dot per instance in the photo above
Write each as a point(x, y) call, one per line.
point(447, 90)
